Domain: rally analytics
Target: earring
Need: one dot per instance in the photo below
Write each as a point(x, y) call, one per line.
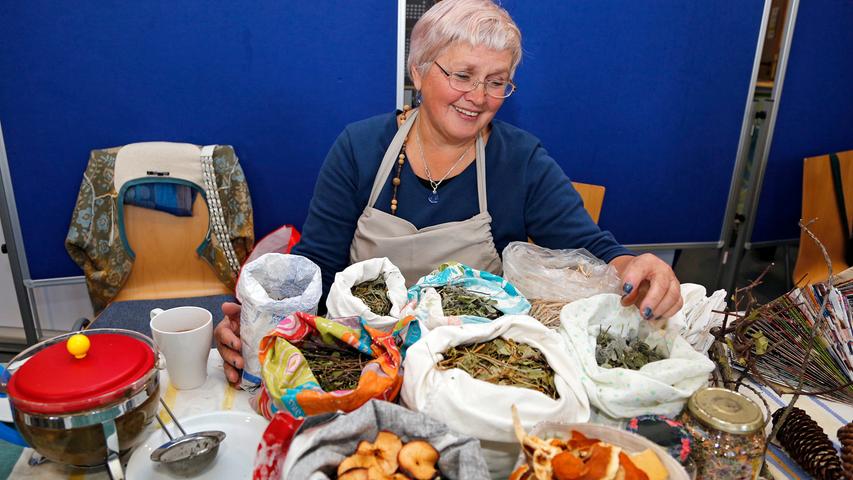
point(418, 99)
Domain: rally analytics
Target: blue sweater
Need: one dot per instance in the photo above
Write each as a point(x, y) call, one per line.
point(529, 195)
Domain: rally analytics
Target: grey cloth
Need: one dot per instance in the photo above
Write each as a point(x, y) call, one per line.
point(319, 449)
point(135, 314)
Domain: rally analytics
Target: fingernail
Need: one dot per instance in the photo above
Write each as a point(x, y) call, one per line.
point(647, 313)
point(627, 288)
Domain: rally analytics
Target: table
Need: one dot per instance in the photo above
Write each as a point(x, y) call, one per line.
point(214, 395)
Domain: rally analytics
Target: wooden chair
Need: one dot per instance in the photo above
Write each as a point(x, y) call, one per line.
point(167, 265)
point(819, 203)
point(593, 198)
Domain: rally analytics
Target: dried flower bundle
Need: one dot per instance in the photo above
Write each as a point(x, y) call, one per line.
point(503, 362)
point(336, 369)
point(374, 294)
point(458, 301)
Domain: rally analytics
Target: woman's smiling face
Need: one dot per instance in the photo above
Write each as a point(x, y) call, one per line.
point(457, 117)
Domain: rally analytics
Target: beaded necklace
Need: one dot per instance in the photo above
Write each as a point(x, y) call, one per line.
point(401, 159)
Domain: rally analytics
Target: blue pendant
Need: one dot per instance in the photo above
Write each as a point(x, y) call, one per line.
point(433, 197)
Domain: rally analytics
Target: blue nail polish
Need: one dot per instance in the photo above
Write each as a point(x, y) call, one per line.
point(627, 288)
point(647, 313)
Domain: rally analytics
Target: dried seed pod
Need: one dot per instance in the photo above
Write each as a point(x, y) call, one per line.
point(845, 437)
point(808, 445)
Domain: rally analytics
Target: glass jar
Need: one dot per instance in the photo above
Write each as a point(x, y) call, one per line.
point(728, 433)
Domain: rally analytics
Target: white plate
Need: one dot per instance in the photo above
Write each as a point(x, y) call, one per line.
point(236, 456)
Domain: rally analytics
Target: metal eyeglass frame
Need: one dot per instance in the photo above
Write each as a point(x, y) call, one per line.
point(475, 84)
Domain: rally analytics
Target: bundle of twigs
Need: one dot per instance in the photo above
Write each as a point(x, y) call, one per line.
point(503, 362)
point(546, 311)
point(336, 369)
point(791, 344)
point(374, 294)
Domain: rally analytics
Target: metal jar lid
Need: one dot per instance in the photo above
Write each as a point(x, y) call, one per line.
point(725, 410)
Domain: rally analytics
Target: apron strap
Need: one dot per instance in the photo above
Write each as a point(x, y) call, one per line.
point(393, 152)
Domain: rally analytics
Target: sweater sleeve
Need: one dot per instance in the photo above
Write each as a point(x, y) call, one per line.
point(554, 213)
point(332, 214)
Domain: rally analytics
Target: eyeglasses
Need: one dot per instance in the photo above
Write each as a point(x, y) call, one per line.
point(463, 82)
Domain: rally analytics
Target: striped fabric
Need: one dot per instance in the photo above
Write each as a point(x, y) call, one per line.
point(829, 415)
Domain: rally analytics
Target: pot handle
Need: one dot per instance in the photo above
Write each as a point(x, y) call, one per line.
point(113, 462)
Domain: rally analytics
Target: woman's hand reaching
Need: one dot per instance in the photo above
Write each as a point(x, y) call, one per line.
point(649, 283)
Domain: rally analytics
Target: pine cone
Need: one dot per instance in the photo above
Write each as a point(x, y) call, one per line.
point(845, 437)
point(808, 445)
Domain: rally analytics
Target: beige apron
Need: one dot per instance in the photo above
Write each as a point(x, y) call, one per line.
point(418, 252)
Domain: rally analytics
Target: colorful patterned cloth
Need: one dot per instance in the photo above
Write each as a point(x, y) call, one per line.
point(289, 385)
point(95, 235)
point(426, 303)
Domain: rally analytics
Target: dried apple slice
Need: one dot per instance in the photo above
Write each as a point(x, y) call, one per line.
point(383, 452)
point(356, 461)
point(354, 474)
point(418, 459)
point(521, 473)
point(376, 473)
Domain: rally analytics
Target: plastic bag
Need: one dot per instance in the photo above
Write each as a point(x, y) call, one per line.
point(425, 302)
point(271, 288)
point(290, 387)
point(482, 409)
point(322, 442)
point(281, 240)
point(342, 303)
point(659, 388)
point(557, 275)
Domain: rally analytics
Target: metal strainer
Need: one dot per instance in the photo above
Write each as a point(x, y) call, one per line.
point(188, 454)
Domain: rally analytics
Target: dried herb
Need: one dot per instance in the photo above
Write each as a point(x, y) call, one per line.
point(458, 301)
point(616, 352)
point(503, 362)
point(336, 369)
point(374, 294)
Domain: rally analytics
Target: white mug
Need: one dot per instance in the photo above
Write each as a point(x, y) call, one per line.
point(183, 336)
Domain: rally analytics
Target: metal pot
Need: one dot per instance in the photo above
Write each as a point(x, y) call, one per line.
point(85, 411)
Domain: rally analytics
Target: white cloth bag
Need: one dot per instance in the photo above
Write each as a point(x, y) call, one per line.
point(482, 409)
point(659, 387)
point(271, 288)
point(342, 303)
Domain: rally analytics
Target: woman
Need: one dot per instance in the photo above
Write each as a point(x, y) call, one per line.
point(447, 181)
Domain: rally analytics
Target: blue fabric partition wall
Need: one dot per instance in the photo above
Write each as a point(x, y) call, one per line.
point(645, 98)
point(278, 79)
point(815, 113)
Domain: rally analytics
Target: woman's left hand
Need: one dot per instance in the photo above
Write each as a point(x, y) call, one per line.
point(649, 283)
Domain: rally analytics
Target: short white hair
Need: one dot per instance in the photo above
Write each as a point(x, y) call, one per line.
point(480, 23)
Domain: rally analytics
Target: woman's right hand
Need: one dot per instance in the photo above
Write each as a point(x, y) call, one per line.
point(227, 336)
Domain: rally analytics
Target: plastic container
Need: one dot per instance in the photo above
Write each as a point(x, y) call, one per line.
point(627, 441)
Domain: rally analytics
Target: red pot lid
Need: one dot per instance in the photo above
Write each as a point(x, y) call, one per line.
point(54, 381)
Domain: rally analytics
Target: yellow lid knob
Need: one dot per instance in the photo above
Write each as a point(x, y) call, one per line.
point(78, 345)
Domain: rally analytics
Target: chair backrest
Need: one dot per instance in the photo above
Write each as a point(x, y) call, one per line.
point(819, 202)
point(166, 264)
point(593, 198)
